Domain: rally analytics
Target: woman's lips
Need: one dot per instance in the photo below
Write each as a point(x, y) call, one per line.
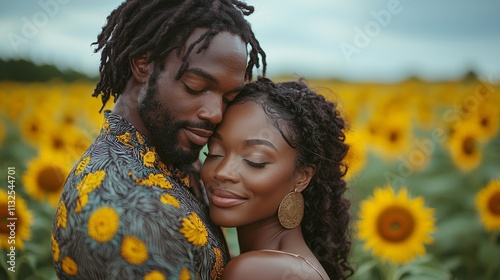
point(198, 136)
point(225, 199)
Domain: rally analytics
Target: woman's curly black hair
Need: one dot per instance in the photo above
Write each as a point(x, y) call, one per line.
point(162, 26)
point(314, 127)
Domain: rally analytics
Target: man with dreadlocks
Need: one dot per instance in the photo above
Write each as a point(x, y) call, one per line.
point(128, 209)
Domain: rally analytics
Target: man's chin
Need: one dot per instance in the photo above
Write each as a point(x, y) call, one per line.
point(182, 157)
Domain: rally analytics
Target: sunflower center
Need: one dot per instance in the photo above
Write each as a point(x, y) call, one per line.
point(4, 214)
point(50, 179)
point(395, 224)
point(393, 136)
point(494, 204)
point(485, 122)
point(34, 127)
point(469, 145)
point(57, 143)
point(68, 119)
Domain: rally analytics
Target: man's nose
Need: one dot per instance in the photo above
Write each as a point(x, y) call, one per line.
point(212, 110)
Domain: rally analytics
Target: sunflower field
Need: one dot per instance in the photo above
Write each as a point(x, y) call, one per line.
point(423, 177)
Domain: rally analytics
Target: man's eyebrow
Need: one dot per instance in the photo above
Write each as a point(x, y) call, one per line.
point(200, 72)
point(252, 142)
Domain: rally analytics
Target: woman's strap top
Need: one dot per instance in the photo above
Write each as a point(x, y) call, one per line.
point(296, 256)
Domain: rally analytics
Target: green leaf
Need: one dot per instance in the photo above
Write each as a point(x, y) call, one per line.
point(365, 268)
point(489, 253)
point(426, 267)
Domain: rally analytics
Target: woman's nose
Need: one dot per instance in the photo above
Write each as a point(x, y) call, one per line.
point(227, 171)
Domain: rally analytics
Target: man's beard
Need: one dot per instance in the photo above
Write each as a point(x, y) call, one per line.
point(164, 130)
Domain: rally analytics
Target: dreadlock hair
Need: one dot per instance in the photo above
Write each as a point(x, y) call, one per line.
point(161, 26)
point(314, 127)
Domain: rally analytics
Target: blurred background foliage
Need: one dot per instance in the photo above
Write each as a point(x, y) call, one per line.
point(434, 145)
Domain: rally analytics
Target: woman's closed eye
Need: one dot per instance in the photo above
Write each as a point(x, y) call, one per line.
point(256, 164)
point(209, 155)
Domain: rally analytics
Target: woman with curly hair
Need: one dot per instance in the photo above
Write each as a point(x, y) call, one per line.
point(274, 171)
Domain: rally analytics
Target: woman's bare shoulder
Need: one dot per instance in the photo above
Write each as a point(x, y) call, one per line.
point(264, 265)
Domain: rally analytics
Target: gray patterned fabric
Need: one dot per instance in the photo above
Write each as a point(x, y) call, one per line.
point(124, 215)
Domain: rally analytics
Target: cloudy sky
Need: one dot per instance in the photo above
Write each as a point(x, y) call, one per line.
point(380, 40)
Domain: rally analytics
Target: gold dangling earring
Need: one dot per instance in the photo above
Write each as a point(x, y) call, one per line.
point(291, 210)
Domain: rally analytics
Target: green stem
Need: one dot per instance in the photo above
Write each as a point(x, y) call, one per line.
point(389, 271)
point(491, 268)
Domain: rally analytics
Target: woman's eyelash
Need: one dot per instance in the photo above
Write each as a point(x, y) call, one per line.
point(249, 162)
point(256, 164)
point(208, 155)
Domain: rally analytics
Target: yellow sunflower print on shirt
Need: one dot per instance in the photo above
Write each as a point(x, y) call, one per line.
point(134, 250)
point(154, 275)
point(62, 215)
point(90, 182)
point(194, 230)
point(69, 266)
point(55, 248)
point(116, 199)
point(103, 224)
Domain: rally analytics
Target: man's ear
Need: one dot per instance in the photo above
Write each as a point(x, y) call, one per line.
point(141, 68)
point(304, 176)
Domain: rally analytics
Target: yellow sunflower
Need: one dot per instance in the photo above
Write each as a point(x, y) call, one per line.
point(488, 119)
point(356, 155)
point(194, 230)
point(45, 177)
point(33, 126)
point(95, 118)
point(15, 101)
point(81, 142)
point(488, 205)
point(56, 139)
point(464, 146)
point(423, 111)
point(2, 131)
point(394, 226)
point(70, 114)
point(390, 133)
point(19, 219)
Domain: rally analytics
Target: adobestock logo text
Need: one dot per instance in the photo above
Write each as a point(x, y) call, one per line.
point(364, 36)
point(31, 25)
